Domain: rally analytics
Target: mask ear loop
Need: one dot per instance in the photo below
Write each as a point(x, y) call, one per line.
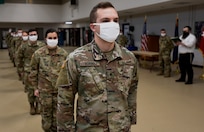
point(97, 24)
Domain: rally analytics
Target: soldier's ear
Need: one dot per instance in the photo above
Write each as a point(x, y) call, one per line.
point(92, 27)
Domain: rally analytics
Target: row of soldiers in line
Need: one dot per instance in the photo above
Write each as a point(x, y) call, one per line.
point(38, 64)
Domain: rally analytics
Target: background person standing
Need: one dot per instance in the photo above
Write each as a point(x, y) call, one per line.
point(186, 55)
point(165, 47)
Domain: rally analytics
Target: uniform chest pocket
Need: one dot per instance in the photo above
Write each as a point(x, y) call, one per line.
point(45, 64)
point(126, 73)
point(92, 79)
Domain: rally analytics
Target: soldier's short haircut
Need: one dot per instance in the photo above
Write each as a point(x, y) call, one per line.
point(51, 30)
point(32, 30)
point(101, 5)
point(25, 32)
point(19, 29)
point(162, 29)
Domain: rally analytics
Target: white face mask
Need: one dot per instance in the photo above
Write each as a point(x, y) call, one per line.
point(163, 34)
point(109, 31)
point(25, 38)
point(33, 38)
point(52, 42)
point(15, 35)
point(19, 34)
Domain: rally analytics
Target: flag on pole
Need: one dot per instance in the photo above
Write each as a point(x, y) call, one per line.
point(176, 34)
point(144, 40)
point(201, 45)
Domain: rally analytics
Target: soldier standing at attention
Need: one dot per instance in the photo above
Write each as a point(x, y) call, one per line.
point(23, 41)
point(13, 45)
point(122, 39)
point(46, 63)
point(8, 38)
point(25, 53)
point(165, 47)
point(104, 75)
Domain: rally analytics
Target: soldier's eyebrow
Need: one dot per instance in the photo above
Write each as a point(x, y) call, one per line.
point(32, 34)
point(52, 37)
point(108, 20)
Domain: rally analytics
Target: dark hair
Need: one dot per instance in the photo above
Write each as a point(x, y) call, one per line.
point(50, 31)
point(189, 28)
point(162, 29)
point(32, 30)
point(101, 5)
point(25, 32)
point(19, 29)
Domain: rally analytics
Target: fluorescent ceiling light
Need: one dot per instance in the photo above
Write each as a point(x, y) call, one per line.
point(68, 23)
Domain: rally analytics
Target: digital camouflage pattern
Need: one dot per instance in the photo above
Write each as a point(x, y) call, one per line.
point(13, 45)
point(19, 69)
point(8, 42)
point(165, 47)
point(45, 68)
point(25, 53)
point(122, 40)
point(106, 84)
point(17, 45)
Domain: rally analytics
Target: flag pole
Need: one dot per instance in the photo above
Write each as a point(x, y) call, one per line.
point(175, 50)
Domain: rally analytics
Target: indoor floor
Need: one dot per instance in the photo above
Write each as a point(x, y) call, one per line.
point(162, 104)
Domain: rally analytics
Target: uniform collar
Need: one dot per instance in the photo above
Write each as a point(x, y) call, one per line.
point(47, 50)
point(32, 44)
point(99, 55)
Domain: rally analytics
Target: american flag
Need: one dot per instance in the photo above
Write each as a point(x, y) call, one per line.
point(144, 39)
point(201, 45)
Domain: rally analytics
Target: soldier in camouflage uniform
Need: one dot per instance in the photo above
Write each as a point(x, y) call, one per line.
point(46, 63)
point(25, 53)
point(13, 45)
point(8, 42)
point(104, 75)
point(8, 38)
point(23, 40)
point(122, 39)
point(165, 47)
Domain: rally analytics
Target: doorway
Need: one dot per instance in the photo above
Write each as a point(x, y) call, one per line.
point(3, 33)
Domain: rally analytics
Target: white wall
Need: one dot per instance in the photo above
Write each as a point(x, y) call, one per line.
point(84, 7)
point(30, 13)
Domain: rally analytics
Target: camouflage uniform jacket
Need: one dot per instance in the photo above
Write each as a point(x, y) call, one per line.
point(165, 45)
point(18, 43)
point(106, 87)
point(25, 53)
point(9, 41)
point(13, 44)
point(122, 40)
point(45, 67)
point(7, 38)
